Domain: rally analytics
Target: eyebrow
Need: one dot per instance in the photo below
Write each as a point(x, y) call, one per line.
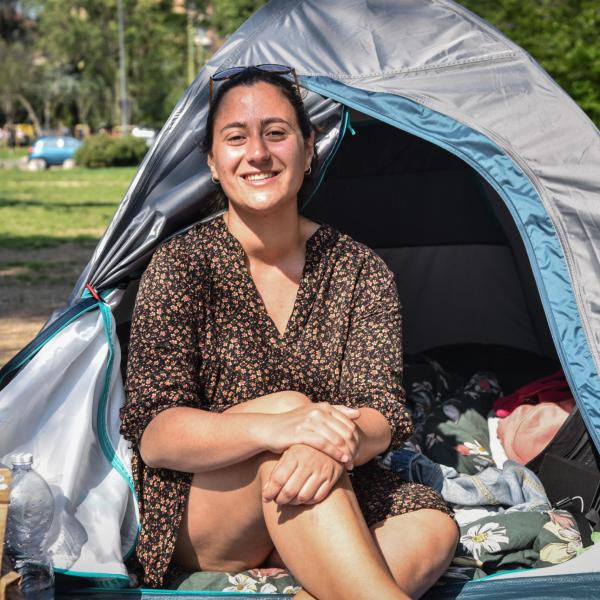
point(264, 122)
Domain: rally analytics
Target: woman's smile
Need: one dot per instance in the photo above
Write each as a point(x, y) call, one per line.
point(260, 178)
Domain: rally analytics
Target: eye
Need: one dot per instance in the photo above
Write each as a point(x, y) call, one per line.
point(236, 138)
point(275, 133)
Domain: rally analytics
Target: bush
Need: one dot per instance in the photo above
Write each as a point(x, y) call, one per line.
point(105, 151)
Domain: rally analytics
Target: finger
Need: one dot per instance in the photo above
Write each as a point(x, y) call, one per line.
point(343, 418)
point(293, 485)
point(329, 429)
point(308, 490)
point(280, 475)
point(323, 491)
point(317, 441)
point(351, 428)
point(349, 411)
point(333, 425)
point(347, 434)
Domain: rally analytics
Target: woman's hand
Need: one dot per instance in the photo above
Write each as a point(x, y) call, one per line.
point(325, 427)
point(303, 475)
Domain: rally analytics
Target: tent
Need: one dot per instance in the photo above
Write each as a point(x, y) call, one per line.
point(471, 172)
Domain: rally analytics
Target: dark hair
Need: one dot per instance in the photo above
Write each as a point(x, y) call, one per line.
point(249, 77)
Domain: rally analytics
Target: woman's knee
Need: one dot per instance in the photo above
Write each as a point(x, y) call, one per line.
point(288, 400)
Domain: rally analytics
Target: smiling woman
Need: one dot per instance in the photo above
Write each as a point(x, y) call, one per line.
point(264, 376)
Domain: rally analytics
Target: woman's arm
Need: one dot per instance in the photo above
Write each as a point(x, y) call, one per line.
point(194, 440)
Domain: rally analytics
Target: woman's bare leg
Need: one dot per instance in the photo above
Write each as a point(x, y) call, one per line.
point(417, 547)
point(223, 527)
point(329, 548)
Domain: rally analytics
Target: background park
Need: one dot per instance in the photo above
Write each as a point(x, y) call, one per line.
point(102, 70)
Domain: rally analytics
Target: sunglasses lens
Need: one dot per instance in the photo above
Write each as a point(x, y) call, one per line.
point(281, 69)
point(228, 73)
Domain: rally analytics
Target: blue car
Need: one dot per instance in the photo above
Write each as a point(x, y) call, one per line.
point(53, 150)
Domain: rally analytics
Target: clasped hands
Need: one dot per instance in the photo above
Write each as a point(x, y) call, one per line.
point(317, 443)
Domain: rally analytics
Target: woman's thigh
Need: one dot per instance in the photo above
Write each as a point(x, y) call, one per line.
point(223, 527)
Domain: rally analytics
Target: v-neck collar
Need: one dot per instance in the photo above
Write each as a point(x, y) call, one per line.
point(306, 285)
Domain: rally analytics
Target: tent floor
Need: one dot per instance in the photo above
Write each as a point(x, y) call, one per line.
point(577, 586)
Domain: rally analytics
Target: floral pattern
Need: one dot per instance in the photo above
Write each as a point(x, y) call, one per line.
point(487, 537)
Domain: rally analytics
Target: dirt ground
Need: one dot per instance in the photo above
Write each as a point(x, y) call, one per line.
point(33, 284)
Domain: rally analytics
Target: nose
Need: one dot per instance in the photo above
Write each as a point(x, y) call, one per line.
point(257, 150)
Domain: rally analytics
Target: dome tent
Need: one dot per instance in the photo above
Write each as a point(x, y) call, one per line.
point(511, 198)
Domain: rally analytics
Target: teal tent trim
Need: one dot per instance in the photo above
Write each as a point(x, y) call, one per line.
point(537, 231)
point(556, 587)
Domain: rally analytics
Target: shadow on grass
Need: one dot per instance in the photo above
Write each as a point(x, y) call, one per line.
point(34, 242)
point(52, 204)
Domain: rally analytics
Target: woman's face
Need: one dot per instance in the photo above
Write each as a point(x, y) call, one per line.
point(258, 152)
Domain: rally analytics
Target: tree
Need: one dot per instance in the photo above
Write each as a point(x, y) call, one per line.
point(228, 15)
point(18, 76)
point(78, 39)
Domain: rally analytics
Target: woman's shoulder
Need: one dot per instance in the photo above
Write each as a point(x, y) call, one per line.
point(189, 245)
point(358, 255)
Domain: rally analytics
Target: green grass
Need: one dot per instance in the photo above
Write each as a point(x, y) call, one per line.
point(13, 153)
point(45, 208)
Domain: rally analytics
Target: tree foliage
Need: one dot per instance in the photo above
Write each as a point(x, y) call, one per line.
point(79, 39)
point(228, 15)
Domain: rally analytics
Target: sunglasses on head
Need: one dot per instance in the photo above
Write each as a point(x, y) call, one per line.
point(233, 72)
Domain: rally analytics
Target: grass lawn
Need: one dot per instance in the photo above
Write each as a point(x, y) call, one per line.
point(13, 153)
point(42, 209)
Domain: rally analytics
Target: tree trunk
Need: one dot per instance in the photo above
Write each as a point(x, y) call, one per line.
point(34, 120)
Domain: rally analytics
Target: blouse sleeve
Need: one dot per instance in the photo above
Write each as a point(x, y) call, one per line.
point(162, 366)
point(372, 366)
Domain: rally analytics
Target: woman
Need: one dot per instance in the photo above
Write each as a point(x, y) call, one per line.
point(264, 376)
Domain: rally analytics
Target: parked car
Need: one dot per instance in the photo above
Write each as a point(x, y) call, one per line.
point(52, 150)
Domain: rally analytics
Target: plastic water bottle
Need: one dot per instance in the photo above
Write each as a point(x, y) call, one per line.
point(30, 514)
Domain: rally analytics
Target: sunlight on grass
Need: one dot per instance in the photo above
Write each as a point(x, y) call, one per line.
point(46, 208)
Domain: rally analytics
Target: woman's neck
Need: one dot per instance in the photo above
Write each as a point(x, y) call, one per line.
point(269, 238)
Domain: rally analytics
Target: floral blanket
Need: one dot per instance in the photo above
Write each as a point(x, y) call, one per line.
point(450, 419)
point(255, 581)
point(514, 540)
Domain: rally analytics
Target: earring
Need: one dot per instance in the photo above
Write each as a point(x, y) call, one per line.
point(308, 172)
point(215, 181)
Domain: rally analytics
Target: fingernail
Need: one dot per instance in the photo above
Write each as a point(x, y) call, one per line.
point(345, 458)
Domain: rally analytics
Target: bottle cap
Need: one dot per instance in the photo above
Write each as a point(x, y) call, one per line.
point(22, 458)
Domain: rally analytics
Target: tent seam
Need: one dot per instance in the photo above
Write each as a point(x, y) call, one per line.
point(506, 55)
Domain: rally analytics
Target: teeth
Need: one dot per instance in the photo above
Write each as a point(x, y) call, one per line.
point(259, 176)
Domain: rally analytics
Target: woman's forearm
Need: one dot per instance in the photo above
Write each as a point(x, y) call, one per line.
point(193, 440)
point(375, 435)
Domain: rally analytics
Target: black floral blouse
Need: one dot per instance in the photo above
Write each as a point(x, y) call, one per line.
point(201, 337)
